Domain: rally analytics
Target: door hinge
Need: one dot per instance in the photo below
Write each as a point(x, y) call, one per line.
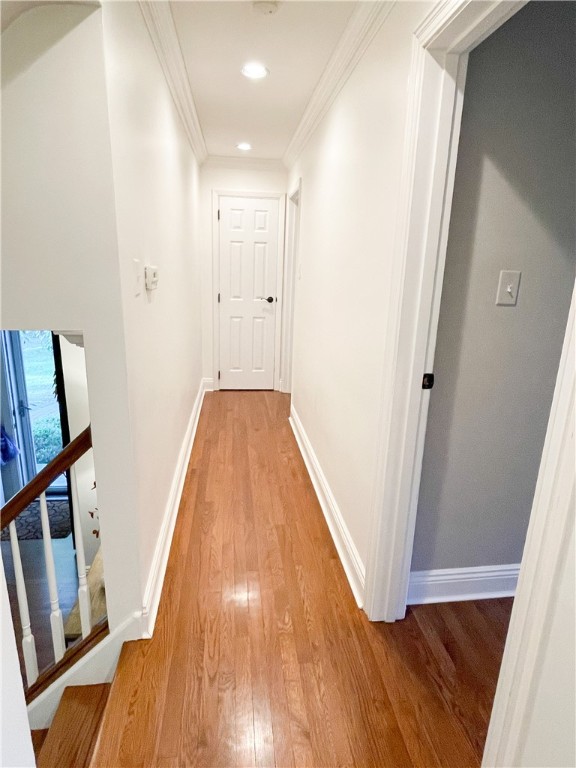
point(218, 298)
point(428, 381)
point(218, 214)
point(218, 375)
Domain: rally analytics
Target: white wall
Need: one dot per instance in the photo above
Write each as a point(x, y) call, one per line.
point(226, 175)
point(495, 367)
point(350, 173)
point(156, 192)
point(77, 407)
point(60, 264)
point(15, 739)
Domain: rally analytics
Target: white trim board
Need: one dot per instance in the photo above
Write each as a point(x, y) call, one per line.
point(291, 256)
point(155, 582)
point(349, 557)
point(448, 585)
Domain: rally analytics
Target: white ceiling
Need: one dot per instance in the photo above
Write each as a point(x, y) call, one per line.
point(218, 36)
point(295, 43)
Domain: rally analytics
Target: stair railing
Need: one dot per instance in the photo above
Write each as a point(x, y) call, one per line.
point(36, 488)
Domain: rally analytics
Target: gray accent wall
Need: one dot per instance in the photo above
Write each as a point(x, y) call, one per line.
point(514, 209)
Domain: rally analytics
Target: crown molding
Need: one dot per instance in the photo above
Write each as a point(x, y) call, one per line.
point(160, 23)
point(438, 20)
point(245, 163)
point(457, 21)
point(367, 19)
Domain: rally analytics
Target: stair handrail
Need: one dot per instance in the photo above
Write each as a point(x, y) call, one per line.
point(63, 461)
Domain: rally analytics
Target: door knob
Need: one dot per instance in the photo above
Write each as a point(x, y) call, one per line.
point(270, 299)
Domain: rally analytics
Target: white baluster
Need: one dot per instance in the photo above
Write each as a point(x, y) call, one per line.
point(28, 644)
point(56, 621)
point(83, 592)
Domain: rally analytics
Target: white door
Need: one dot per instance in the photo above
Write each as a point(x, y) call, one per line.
point(247, 299)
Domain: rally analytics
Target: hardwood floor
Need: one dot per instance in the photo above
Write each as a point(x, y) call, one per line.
point(72, 735)
point(260, 656)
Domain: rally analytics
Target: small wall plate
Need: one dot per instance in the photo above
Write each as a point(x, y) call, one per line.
point(508, 287)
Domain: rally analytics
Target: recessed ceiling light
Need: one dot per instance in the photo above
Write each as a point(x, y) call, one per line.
point(254, 70)
point(244, 146)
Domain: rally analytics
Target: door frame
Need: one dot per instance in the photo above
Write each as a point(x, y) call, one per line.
point(281, 197)
point(291, 249)
point(440, 48)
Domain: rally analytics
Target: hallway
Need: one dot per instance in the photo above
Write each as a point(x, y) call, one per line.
point(260, 655)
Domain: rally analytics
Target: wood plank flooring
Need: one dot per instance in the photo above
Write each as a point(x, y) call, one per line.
point(71, 738)
point(38, 739)
point(260, 656)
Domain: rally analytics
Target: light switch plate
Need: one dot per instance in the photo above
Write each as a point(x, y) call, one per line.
point(508, 287)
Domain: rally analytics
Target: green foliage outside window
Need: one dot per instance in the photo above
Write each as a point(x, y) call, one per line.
point(47, 439)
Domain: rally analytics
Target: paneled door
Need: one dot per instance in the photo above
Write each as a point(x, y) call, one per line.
point(248, 229)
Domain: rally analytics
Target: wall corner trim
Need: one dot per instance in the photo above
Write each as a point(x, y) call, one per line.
point(349, 557)
point(361, 30)
point(448, 585)
point(162, 30)
point(155, 582)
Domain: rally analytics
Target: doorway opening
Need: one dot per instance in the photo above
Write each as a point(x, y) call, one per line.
point(506, 292)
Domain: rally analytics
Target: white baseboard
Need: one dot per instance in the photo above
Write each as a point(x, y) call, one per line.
point(157, 571)
point(451, 584)
point(351, 562)
point(98, 666)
